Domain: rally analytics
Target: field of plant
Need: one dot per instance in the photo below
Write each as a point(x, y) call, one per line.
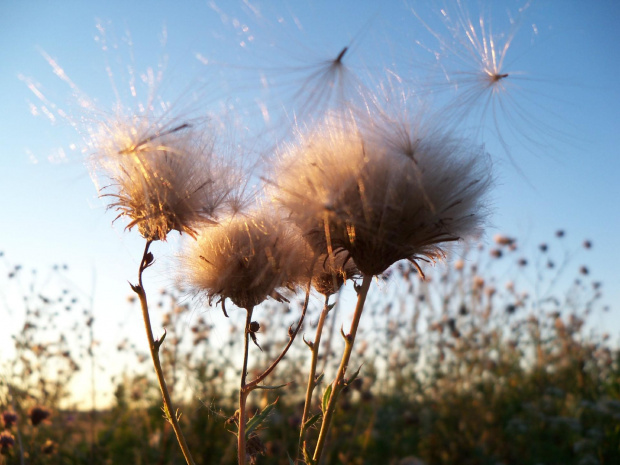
point(477, 364)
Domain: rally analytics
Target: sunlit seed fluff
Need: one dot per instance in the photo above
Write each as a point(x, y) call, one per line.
point(162, 178)
point(245, 259)
point(382, 197)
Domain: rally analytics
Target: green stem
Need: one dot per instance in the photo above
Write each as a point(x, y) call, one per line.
point(312, 375)
point(154, 349)
point(243, 392)
point(344, 363)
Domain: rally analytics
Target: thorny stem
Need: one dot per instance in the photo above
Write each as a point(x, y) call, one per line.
point(312, 375)
point(154, 345)
point(338, 382)
point(243, 391)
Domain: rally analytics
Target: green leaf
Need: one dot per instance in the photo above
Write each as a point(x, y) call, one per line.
point(257, 419)
point(326, 395)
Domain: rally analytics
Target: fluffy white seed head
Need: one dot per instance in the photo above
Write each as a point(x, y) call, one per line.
point(162, 178)
point(371, 190)
point(245, 259)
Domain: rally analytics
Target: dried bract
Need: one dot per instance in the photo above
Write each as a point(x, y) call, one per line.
point(330, 273)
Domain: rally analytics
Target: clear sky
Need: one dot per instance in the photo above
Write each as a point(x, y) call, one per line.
point(560, 114)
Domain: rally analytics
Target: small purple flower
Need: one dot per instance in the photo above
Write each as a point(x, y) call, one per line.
point(9, 419)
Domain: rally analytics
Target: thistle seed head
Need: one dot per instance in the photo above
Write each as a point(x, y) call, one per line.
point(363, 188)
point(162, 178)
point(245, 259)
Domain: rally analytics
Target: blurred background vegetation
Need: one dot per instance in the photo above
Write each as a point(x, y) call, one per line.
point(493, 359)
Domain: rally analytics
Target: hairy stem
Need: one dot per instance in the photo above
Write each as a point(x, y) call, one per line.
point(339, 381)
point(243, 391)
point(312, 375)
point(154, 345)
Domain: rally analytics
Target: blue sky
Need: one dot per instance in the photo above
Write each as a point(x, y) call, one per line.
point(562, 124)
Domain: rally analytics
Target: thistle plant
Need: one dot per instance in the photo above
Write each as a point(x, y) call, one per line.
point(163, 179)
point(247, 259)
point(378, 196)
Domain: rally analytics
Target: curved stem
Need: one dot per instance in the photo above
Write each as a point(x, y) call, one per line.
point(291, 334)
point(312, 375)
point(154, 345)
point(349, 339)
point(243, 391)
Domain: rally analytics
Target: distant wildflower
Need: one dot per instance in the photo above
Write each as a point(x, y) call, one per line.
point(379, 194)
point(560, 233)
point(48, 447)
point(496, 253)
point(587, 244)
point(478, 282)
point(245, 259)
point(162, 178)
point(9, 419)
point(500, 239)
point(543, 247)
point(38, 415)
point(7, 441)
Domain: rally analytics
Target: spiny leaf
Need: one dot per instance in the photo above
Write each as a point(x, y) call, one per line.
point(311, 421)
point(354, 376)
point(326, 396)
point(257, 419)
